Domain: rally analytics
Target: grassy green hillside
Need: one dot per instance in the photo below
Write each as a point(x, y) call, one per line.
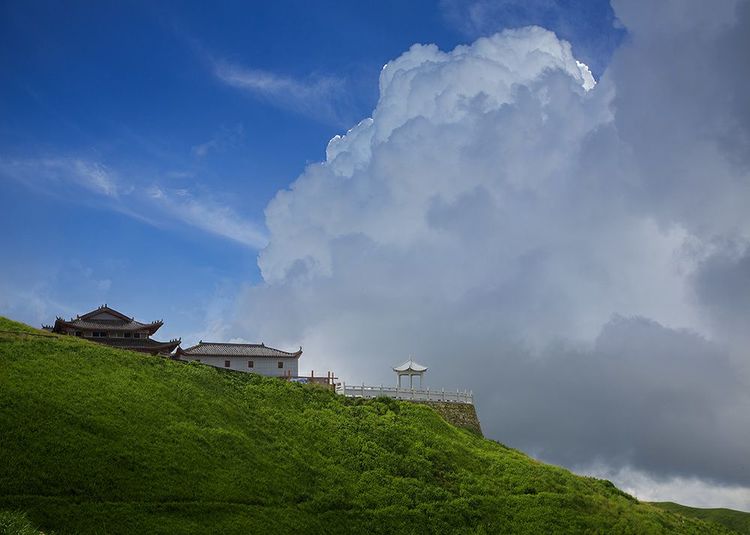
point(736, 520)
point(15, 523)
point(96, 440)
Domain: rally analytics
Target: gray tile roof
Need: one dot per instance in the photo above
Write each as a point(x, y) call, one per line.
point(218, 349)
point(117, 325)
point(132, 343)
point(119, 322)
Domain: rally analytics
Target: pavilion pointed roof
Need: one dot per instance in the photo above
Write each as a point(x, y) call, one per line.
point(410, 366)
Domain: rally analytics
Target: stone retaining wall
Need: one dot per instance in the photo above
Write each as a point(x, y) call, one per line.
point(461, 415)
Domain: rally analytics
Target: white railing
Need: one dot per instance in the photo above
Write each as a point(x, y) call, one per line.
point(415, 394)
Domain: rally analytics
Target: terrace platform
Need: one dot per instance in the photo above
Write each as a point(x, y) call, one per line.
point(408, 394)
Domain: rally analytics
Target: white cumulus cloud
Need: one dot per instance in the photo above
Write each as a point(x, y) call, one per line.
point(551, 242)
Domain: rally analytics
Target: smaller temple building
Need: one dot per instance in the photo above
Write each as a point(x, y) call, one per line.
point(254, 358)
point(107, 326)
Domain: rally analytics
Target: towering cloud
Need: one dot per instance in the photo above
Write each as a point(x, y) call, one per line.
point(574, 252)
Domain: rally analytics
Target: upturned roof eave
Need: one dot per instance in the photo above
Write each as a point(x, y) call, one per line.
point(143, 345)
point(133, 325)
point(410, 365)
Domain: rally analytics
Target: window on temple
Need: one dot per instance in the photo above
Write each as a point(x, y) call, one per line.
point(250, 364)
point(78, 333)
point(226, 364)
point(128, 335)
point(136, 335)
point(281, 364)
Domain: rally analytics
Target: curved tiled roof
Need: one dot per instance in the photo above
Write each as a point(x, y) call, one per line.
point(221, 349)
point(410, 365)
point(104, 309)
point(119, 325)
point(142, 345)
point(136, 343)
point(119, 322)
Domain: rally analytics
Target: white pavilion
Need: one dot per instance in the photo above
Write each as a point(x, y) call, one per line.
point(407, 392)
point(412, 369)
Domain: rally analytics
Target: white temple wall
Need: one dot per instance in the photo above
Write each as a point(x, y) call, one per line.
point(261, 365)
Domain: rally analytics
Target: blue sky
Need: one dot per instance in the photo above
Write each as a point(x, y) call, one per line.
point(103, 104)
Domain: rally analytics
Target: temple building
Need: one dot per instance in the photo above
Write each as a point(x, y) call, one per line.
point(255, 358)
point(107, 326)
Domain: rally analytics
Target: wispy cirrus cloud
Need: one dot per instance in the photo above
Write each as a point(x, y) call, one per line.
point(40, 172)
point(97, 181)
point(208, 215)
point(316, 96)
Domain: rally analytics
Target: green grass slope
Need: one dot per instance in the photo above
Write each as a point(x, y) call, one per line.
point(738, 521)
point(14, 523)
point(97, 440)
